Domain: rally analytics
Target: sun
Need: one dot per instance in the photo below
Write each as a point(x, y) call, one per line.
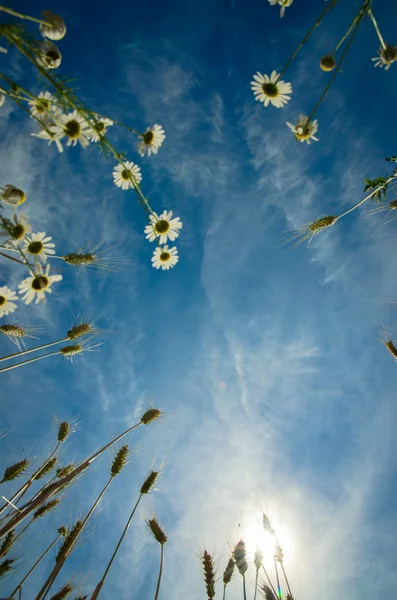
point(257, 538)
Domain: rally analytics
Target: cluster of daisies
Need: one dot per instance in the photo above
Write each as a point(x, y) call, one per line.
point(162, 228)
point(33, 249)
point(276, 92)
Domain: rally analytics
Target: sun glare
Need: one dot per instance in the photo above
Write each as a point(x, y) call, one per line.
point(256, 538)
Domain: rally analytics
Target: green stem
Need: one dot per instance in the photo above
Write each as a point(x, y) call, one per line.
point(26, 362)
point(349, 210)
point(25, 17)
point(293, 55)
point(102, 581)
point(160, 573)
point(24, 488)
point(375, 24)
point(81, 109)
point(14, 259)
point(244, 590)
point(278, 580)
point(286, 579)
point(51, 490)
point(256, 583)
point(334, 74)
point(38, 561)
point(269, 581)
point(348, 32)
point(224, 592)
point(59, 563)
point(23, 352)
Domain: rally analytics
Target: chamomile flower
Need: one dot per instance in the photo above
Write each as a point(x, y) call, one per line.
point(51, 136)
point(304, 130)
point(386, 57)
point(38, 285)
point(42, 105)
point(39, 246)
point(99, 128)
point(152, 139)
point(56, 28)
point(165, 258)
point(74, 127)
point(127, 175)
point(7, 301)
point(283, 3)
point(163, 227)
point(12, 195)
point(271, 90)
point(49, 56)
point(16, 228)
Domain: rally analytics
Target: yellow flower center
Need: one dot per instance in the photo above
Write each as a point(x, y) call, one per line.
point(165, 256)
point(327, 63)
point(72, 129)
point(270, 89)
point(18, 231)
point(126, 174)
point(52, 56)
point(303, 133)
point(35, 247)
point(390, 54)
point(42, 105)
point(148, 138)
point(99, 127)
point(162, 226)
point(3, 300)
point(40, 283)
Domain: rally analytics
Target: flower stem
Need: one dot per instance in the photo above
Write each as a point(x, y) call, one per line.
point(14, 259)
point(349, 210)
point(244, 590)
point(57, 486)
point(98, 588)
point(160, 572)
point(22, 352)
point(348, 32)
point(338, 66)
point(38, 561)
point(25, 17)
point(375, 24)
point(278, 580)
point(303, 42)
point(59, 563)
point(26, 362)
point(24, 488)
point(286, 579)
point(256, 583)
point(269, 580)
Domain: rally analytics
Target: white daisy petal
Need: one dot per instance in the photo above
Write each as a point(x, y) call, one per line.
point(12, 195)
point(271, 90)
point(39, 246)
point(56, 28)
point(152, 139)
point(73, 126)
point(35, 287)
point(165, 258)
point(304, 130)
point(7, 300)
point(163, 227)
point(127, 175)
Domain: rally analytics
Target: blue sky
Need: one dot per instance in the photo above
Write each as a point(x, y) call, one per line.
point(265, 356)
